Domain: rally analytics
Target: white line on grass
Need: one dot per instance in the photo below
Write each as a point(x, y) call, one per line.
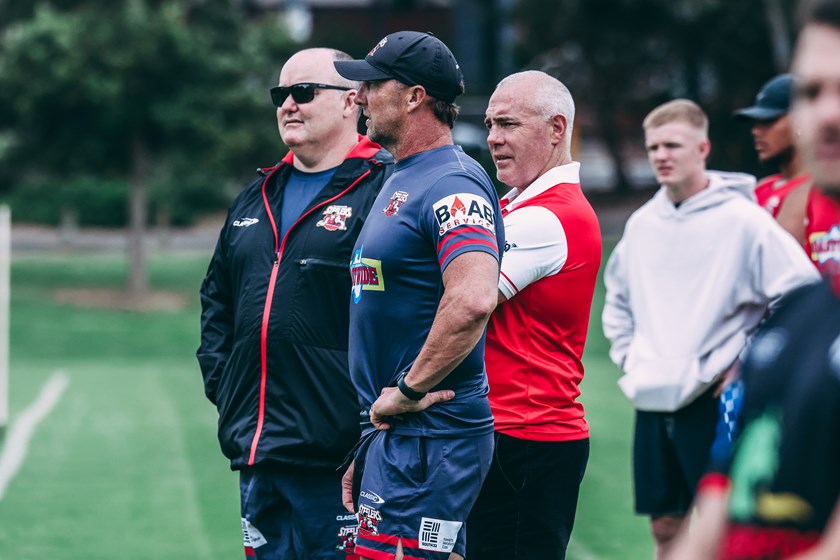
point(577, 551)
point(20, 432)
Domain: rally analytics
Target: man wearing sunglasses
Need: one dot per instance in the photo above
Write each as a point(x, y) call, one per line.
point(275, 317)
point(425, 270)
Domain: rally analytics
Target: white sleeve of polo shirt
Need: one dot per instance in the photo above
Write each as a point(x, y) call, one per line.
point(535, 247)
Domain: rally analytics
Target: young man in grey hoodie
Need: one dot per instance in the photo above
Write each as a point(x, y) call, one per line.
point(695, 271)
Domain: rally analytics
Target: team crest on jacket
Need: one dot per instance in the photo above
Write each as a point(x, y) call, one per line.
point(366, 275)
point(463, 209)
point(397, 200)
point(335, 218)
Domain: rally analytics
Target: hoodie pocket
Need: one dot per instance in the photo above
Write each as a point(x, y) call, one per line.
point(662, 384)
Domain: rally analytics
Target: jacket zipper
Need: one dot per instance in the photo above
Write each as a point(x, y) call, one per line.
point(278, 248)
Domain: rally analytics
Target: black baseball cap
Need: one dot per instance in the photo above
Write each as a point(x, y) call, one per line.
point(413, 58)
point(772, 101)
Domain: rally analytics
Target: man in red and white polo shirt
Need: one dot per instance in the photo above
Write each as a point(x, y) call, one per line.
point(536, 336)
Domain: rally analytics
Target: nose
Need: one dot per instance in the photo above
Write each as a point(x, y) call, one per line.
point(660, 153)
point(361, 94)
point(288, 105)
point(759, 128)
point(494, 136)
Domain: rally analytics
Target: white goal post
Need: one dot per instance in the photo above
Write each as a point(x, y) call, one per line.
point(5, 266)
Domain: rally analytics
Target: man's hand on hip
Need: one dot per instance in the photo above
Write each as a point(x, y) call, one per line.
point(392, 402)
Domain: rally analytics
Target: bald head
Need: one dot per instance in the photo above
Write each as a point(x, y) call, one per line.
point(545, 95)
point(318, 65)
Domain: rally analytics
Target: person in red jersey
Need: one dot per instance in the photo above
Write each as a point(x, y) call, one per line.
point(779, 496)
point(822, 232)
point(536, 335)
point(783, 194)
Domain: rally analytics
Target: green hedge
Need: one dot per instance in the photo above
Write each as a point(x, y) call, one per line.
point(104, 202)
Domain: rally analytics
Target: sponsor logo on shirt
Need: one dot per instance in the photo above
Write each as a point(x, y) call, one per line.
point(245, 222)
point(438, 534)
point(366, 275)
point(825, 245)
point(397, 200)
point(510, 245)
point(335, 218)
point(463, 209)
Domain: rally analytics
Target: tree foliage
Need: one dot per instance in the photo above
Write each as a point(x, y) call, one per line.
point(146, 92)
point(83, 83)
point(623, 57)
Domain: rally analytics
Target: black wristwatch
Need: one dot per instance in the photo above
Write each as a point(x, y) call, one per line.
point(407, 391)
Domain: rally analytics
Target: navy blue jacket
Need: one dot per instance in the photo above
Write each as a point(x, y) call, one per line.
point(274, 322)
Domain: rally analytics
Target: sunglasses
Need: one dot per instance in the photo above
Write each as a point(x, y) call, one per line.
point(301, 93)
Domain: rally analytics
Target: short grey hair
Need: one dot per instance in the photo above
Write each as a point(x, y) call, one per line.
point(342, 81)
point(549, 97)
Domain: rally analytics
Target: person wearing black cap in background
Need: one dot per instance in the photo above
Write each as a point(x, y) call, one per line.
point(425, 273)
point(783, 194)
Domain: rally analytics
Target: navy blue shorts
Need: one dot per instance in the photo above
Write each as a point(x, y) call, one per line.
point(418, 491)
point(671, 452)
point(294, 514)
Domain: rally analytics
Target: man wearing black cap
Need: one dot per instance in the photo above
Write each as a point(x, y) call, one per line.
point(425, 271)
point(783, 194)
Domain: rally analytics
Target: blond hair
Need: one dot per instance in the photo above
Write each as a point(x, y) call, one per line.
point(678, 110)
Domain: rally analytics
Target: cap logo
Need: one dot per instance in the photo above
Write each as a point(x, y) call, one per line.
point(378, 46)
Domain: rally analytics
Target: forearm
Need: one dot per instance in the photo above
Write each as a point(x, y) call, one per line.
point(450, 340)
point(469, 298)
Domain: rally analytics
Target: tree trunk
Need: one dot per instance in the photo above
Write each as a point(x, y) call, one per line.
point(605, 119)
point(613, 143)
point(138, 272)
point(68, 225)
point(779, 36)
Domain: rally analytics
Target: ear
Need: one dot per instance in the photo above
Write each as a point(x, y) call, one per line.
point(558, 128)
point(414, 96)
point(349, 108)
point(705, 148)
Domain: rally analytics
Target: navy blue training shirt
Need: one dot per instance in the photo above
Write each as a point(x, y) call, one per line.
point(437, 205)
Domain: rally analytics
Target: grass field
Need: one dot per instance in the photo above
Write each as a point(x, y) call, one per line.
point(126, 465)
